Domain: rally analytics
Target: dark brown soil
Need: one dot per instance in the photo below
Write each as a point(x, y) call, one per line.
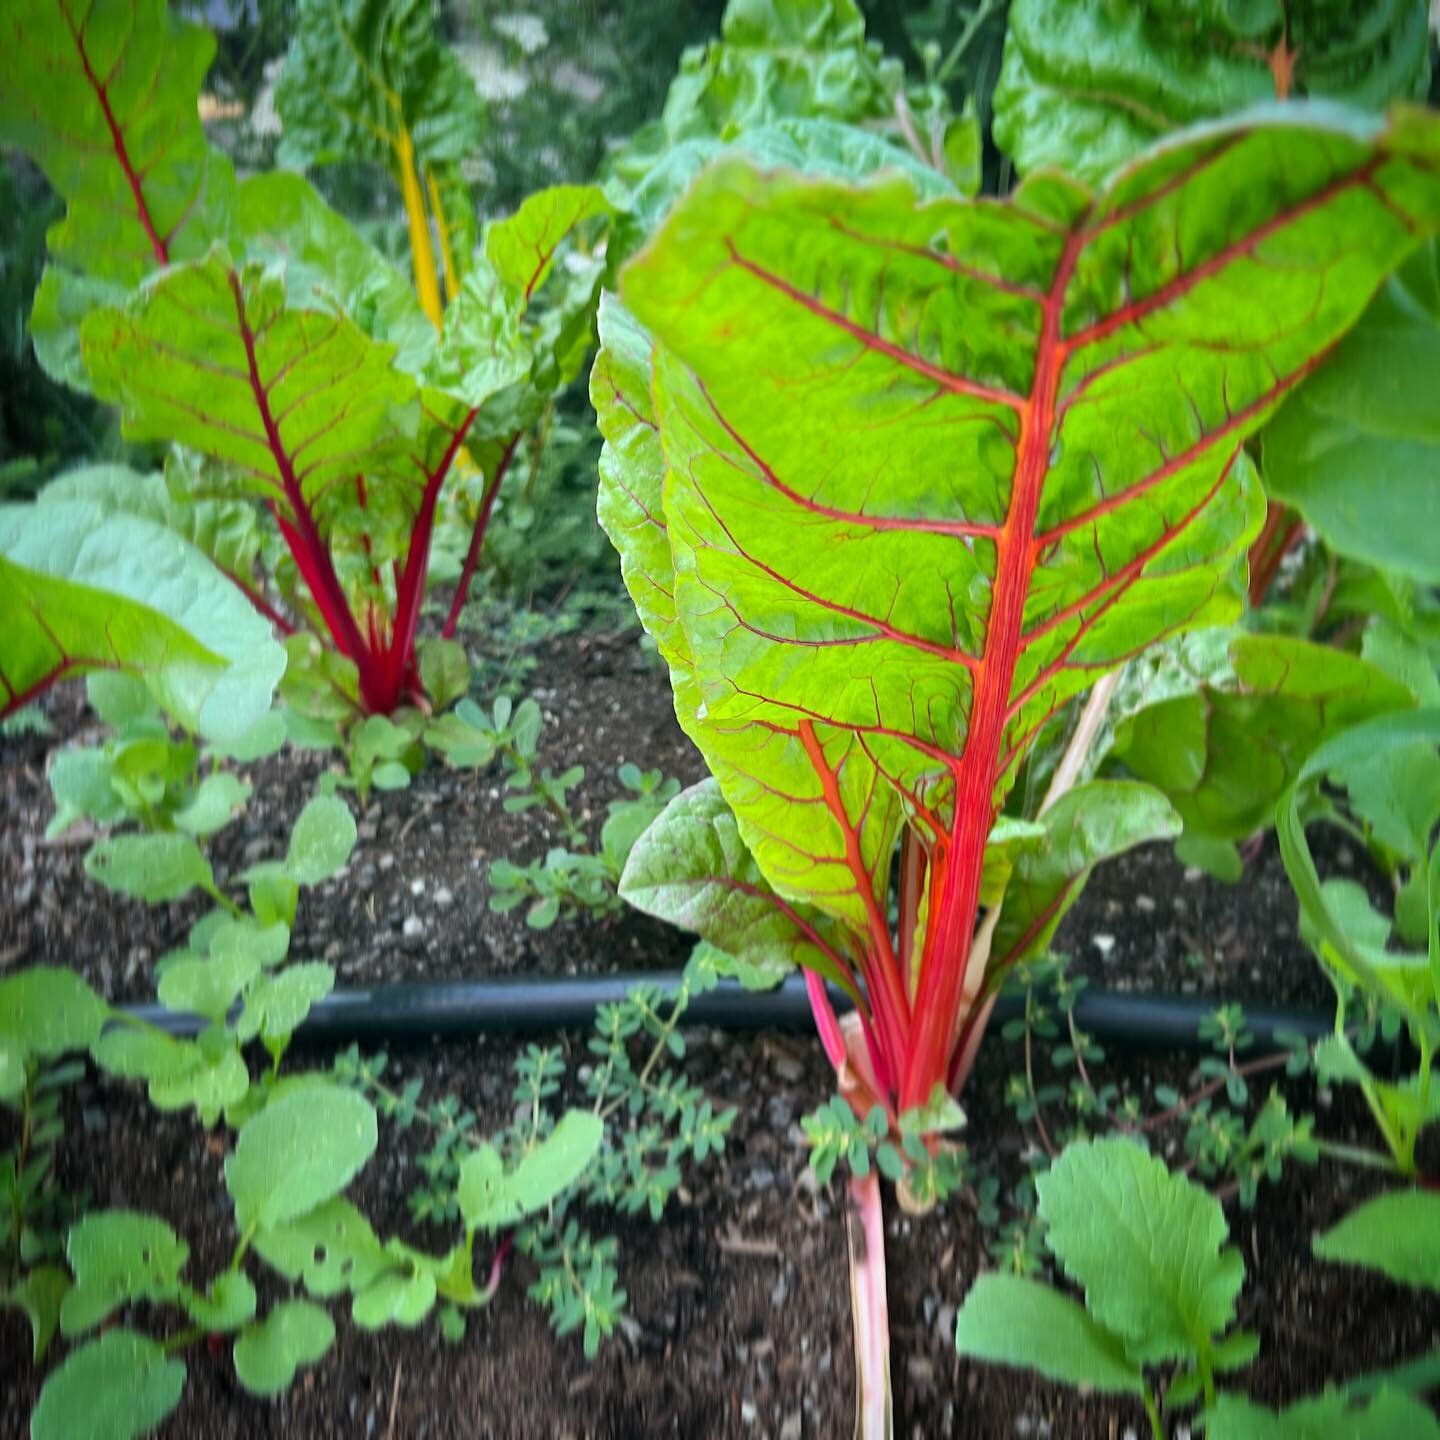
point(739, 1304)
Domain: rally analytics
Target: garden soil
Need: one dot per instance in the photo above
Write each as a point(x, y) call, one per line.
point(738, 1316)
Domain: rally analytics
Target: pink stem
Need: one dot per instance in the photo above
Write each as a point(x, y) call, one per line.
point(870, 1311)
point(477, 538)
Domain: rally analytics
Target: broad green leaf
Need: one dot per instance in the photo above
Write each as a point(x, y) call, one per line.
point(293, 1335)
point(80, 783)
point(395, 1299)
point(13, 1067)
point(491, 1199)
point(298, 1152)
point(277, 1007)
point(118, 699)
point(1357, 449)
point(118, 1387)
point(331, 1249)
point(226, 532)
point(209, 1076)
point(208, 987)
point(219, 797)
point(85, 590)
point(1089, 823)
point(1145, 1245)
point(522, 247)
point(322, 840)
point(1334, 1416)
point(241, 362)
point(103, 97)
point(363, 78)
point(801, 60)
point(1397, 1233)
point(118, 1256)
point(444, 671)
point(50, 1011)
point(1019, 1322)
point(153, 868)
point(691, 869)
point(1225, 752)
point(40, 1292)
point(1086, 84)
point(227, 1305)
point(877, 413)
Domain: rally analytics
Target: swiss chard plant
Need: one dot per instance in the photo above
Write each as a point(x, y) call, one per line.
point(896, 481)
point(1148, 1249)
point(249, 324)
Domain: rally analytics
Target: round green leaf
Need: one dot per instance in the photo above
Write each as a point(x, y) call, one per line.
point(299, 1151)
point(47, 1011)
point(153, 868)
point(119, 1386)
point(118, 1256)
point(321, 841)
point(229, 1303)
point(293, 1334)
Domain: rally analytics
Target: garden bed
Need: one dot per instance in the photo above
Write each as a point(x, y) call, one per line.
point(738, 1320)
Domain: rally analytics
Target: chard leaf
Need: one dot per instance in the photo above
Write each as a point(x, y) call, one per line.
point(1013, 1321)
point(1088, 824)
point(370, 78)
point(1365, 428)
point(118, 1387)
point(1397, 1234)
point(1334, 1416)
point(293, 1335)
point(1086, 84)
point(691, 869)
point(1146, 1247)
point(104, 100)
point(84, 590)
point(1225, 752)
point(930, 469)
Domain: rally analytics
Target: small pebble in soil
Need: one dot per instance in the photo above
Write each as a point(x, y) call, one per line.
point(1104, 944)
point(417, 887)
point(443, 897)
point(413, 930)
point(1144, 904)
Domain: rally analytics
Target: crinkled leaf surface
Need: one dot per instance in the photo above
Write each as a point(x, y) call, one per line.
point(103, 96)
point(1088, 824)
point(932, 469)
point(691, 868)
point(294, 1334)
point(360, 74)
point(298, 1152)
point(1086, 84)
point(1014, 1321)
point(1386, 1416)
point(1397, 1233)
point(1145, 1245)
point(1357, 449)
point(1225, 752)
point(118, 1387)
point(84, 590)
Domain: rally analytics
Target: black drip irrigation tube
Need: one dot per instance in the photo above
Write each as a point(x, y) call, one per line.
point(456, 1009)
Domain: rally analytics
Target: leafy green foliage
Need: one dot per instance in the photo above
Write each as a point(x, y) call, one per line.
point(86, 590)
point(118, 1386)
point(1390, 771)
point(294, 1334)
point(1086, 84)
point(1397, 1233)
point(854, 693)
point(1334, 1416)
point(624, 1152)
point(1367, 413)
point(1012, 1321)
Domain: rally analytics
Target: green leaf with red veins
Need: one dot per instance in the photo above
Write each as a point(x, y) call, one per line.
point(103, 98)
point(691, 868)
point(933, 469)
